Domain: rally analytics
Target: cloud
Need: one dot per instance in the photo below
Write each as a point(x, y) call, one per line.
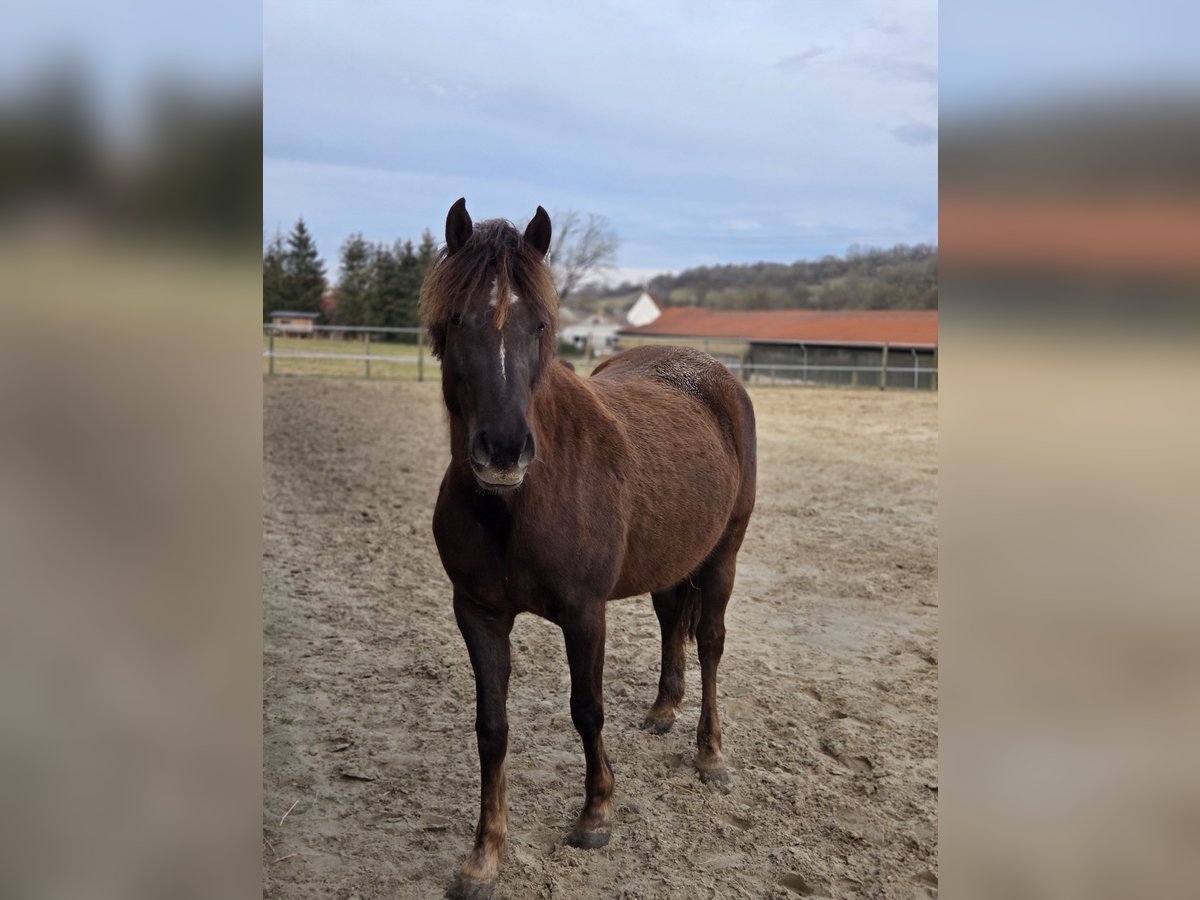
point(750, 127)
point(884, 26)
point(799, 60)
point(744, 225)
point(911, 70)
point(892, 69)
point(915, 135)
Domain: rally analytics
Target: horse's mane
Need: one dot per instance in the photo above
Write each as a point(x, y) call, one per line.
point(495, 249)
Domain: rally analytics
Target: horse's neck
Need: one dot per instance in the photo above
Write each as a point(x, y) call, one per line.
point(565, 404)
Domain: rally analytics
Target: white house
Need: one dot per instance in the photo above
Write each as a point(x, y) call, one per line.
point(643, 312)
point(596, 334)
point(299, 323)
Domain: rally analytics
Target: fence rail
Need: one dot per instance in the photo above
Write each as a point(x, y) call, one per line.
point(402, 352)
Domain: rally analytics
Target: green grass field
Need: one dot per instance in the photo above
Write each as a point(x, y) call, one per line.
point(339, 358)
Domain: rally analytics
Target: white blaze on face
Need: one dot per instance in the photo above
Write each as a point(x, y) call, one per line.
point(492, 301)
point(494, 296)
point(512, 299)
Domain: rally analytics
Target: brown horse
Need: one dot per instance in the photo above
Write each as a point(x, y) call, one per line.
point(563, 493)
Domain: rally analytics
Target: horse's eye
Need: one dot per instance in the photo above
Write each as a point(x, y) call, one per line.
point(541, 327)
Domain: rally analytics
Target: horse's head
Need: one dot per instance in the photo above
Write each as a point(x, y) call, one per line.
point(490, 307)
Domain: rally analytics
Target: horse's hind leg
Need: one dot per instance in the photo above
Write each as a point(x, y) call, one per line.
point(715, 579)
point(672, 610)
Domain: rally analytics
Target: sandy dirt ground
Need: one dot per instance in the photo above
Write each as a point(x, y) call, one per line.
point(828, 688)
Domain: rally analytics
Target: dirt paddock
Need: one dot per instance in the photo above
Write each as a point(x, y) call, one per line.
point(828, 688)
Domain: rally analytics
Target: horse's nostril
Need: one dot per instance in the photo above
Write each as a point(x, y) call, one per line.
point(480, 451)
point(502, 450)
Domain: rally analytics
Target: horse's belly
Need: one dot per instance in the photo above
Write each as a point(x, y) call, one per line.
point(676, 523)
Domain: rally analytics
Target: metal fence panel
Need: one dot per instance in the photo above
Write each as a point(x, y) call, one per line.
point(401, 353)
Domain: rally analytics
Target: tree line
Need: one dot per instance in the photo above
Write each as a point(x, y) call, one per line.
point(378, 287)
point(380, 284)
point(902, 277)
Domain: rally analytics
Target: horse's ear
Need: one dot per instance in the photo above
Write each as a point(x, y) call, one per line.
point(458, 225)
point(537, 232)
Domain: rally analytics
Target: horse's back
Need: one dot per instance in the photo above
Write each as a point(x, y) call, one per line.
point(682, 368)
point(694, 375)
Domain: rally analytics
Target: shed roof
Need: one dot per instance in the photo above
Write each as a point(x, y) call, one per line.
point(280, 313)
point(903, 328)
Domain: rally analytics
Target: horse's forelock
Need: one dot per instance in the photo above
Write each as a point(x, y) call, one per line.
point(495, 248)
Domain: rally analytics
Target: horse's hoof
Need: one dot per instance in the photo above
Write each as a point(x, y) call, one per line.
point(657, 726)
point(467, 889)
point(588, 840)
point(717, 777)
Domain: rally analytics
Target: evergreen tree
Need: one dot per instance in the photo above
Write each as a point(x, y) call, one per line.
point(382, 283)
point(426, 251)
point(395, 286)
point(407, 314)
point(274, 277)
point(304, 272)
point(354, 286)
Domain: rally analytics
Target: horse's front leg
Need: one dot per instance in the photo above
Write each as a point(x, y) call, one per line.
point(486, 634)
point(584, 636)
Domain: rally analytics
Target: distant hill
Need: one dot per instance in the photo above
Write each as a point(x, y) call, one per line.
point(614, 301)
point(903, 277)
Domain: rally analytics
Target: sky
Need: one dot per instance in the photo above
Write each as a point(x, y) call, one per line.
point(705, 132)
point(1032, 52)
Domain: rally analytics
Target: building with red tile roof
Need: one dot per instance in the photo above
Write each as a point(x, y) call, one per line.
point(896, 348)
point(857, 328)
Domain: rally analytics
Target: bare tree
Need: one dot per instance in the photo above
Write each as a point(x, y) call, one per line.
point(582, 246)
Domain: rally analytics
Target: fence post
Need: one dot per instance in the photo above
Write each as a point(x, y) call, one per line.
point(933, 375)
point(271, 352)
point(772, 374)
point(421, 354)
point(854, 378)
point(367, 349)
point(883, 370)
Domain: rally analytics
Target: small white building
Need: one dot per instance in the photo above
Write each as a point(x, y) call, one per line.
point(287, 321)
point(643, 312)
point(595, 335)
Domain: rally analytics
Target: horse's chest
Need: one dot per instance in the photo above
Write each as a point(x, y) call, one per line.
point(522, 559)
point(561, 561)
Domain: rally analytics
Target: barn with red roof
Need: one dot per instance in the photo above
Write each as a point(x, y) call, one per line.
point(896, 348)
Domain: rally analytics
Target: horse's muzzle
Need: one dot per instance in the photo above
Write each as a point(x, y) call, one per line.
point(495, 480)
point(500, 465)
